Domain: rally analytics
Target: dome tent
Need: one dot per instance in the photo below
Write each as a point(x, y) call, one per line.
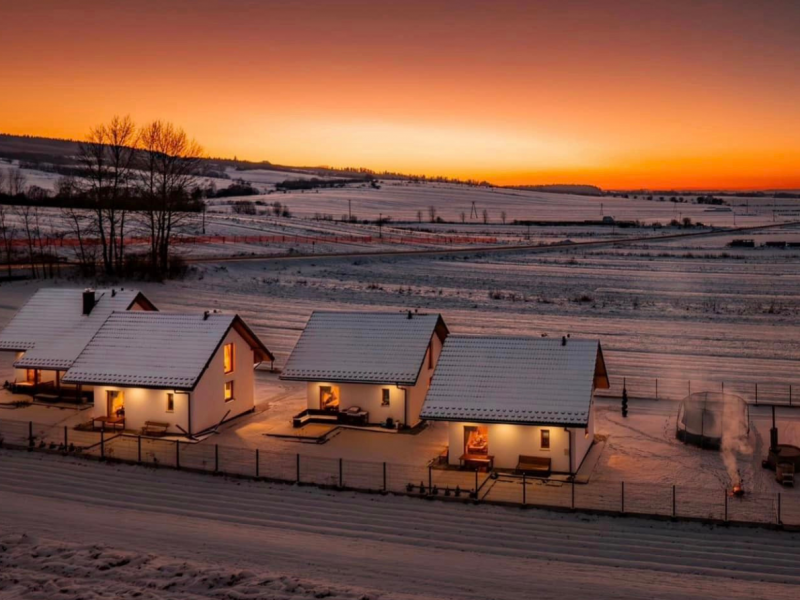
point(704, 417)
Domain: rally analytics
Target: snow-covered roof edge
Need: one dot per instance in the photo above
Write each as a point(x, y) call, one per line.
point(439, 329)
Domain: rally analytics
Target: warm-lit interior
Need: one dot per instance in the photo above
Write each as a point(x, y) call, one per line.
point(476, 439)
point(329, 397)
point(227, 357)
point(116, 403)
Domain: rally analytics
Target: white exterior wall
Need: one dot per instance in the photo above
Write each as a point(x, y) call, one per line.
point(368, 396)
point(584, 438)
point(417, 394)
point(143, 404)
point(507, 442)
point(208, 397)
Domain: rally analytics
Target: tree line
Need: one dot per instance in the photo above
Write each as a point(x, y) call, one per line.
point(131, 180)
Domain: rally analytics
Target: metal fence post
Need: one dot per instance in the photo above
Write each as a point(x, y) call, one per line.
point(30, 434)
point(341, 478)
point(779, 508)
point(726, 506)
point(622, 497)
point(476, 483)
point(430, 478)
point(297, 478)
point(384, 476)
point(790, 394)
point(66, 439)
point(656, 388)
point(177, 454)
point(103, 442)
point(139, 448)
point(756, 393)
point(524, 491)
point(573, 494)
point(257, 465)
point(216, 458)
point(673, 501)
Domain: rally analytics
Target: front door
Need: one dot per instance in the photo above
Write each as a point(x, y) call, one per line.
point(115, 404)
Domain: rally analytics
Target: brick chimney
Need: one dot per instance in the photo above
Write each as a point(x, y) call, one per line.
point(88, 300)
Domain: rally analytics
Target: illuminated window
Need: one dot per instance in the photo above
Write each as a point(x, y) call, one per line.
point(544, 440)
point(385, 392)
point(30, 375)
point(227, 357)
point(228, 391)
point(329, 397)
point(170, 402)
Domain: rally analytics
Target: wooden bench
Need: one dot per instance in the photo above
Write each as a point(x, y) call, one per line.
point(155, 428)
point(477, 461)
point(533, 465)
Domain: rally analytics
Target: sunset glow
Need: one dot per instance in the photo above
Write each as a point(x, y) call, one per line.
point(622, 94)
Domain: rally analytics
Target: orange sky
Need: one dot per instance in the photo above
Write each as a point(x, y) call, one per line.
point(700, 93)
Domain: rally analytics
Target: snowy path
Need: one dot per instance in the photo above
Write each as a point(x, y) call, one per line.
point(132, 530)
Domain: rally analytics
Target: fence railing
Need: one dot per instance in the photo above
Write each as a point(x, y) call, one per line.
point(654, 388)
point(642, 499)
point(64, 241)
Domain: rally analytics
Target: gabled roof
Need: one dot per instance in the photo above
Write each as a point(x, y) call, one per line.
point(157, 350)
point(526, 380)
point(358, 347)
point(52, 328)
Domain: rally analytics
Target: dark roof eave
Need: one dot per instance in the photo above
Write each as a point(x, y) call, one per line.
point(345, 380)
point(581, 425)
point(182, 388)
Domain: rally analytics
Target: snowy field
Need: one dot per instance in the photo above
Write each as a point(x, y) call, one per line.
point(72, 529)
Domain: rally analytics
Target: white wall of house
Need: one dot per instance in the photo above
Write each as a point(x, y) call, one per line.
point(507, 442)
point(417, 394)
point(208, 398)
point(144, 404)
point(369, 396)
point(366, 396)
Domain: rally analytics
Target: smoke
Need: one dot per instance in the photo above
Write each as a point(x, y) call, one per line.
point(735, 440)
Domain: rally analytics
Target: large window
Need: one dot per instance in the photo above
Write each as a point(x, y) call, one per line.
point(385, 396)
point(476, 440)
point(228, 358)
point(544, 439)
point(329, 397)
point(115, 403)
point(229, 391)
point(170, 402)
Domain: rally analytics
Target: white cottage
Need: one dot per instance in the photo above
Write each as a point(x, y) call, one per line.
point(53, 327)
point(519, 403)
point(366, 368)
point(158, 372)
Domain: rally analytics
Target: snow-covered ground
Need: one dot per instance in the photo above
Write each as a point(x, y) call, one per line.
point(72, 529)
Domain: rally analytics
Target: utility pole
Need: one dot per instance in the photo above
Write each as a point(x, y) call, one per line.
point(349, 210)
point(473, 211)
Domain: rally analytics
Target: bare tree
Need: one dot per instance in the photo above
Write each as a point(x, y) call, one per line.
point(107, 158)
point(3, 177)
point(485, 216)
point(80, 225)
point(16, 181)
point(419, 216)
point(169, 162)
point(7, 233)
point(503, 216)
point(26, 215)
point(432, 213)
point(463, 217)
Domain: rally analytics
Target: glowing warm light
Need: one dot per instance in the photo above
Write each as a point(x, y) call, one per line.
point(619, 94)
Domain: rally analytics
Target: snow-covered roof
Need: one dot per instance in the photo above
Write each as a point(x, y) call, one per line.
point(363, 347)
point(52, 329)
point(537, 381)
point(157, 350)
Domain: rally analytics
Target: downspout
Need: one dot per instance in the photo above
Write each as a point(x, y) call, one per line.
point(569, 435)
point(405, 403)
